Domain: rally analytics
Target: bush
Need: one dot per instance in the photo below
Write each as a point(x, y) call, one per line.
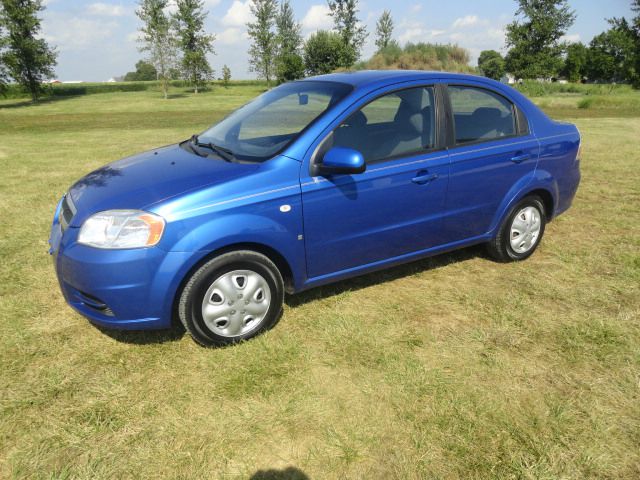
point(73, 89)
point(144, 72)
point(532, 88)
point(420, 56)
point(323, 53)
point(289, 67)
point(586, 103)
point(65, 90)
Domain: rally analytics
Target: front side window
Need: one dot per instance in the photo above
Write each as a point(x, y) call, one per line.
point(396, 124)
point(269, 123)
point(480, 114)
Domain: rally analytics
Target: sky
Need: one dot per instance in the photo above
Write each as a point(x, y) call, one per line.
point(98, 40)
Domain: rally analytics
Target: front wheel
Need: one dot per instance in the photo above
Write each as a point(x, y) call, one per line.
point(520, 232)
point(233, 297)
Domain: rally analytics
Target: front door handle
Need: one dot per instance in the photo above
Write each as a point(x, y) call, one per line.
point(424, 177)
point(521, 157)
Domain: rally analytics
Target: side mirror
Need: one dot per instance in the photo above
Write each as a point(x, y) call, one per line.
point(341, 160)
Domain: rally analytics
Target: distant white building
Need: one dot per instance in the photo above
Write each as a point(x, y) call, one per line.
point(509, 79)
point(112, 80)
point(73, 81)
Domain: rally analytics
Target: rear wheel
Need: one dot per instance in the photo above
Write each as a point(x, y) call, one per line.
point(520, 232)
point(233, 297)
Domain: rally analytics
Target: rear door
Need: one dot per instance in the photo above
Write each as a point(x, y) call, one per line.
point(395, 207)
point(491, 151)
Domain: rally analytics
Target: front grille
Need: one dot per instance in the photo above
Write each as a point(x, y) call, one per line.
point(67, 211)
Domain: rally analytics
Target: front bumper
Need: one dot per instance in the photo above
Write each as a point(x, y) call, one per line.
point(124, 289)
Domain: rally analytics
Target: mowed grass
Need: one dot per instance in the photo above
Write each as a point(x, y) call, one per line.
point(452, 367)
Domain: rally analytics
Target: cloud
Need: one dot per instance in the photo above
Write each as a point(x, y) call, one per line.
point(417, 32)
point(239, 14)
point(172, 6)
point(232, 36)
point(317, 18)
point(574, 38)
point(105, 9)
point(466, 21)
point(478, 33)
point(134, 37)
point(497, 33)
point(76, 33)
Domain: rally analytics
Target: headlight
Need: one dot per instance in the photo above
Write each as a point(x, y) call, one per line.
point(122, 229)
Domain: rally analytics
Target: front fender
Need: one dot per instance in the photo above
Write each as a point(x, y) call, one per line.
point(283, 235)
point(536, 180)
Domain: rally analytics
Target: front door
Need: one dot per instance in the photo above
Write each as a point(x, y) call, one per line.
point(394, 208)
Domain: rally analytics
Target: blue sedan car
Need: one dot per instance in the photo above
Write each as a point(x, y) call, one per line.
point(312, 182)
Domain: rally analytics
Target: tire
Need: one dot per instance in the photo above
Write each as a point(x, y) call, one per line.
point(519, 234)
point(232, 298)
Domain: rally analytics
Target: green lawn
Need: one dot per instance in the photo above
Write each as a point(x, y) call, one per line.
point(453, 367)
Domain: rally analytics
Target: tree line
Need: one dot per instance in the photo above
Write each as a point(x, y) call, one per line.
point(177, 45)
point(536, 48)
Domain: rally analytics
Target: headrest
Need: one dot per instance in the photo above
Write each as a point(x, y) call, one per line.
point(487, 114)
point(416, 122)
point(358, 119)
point(413, 99)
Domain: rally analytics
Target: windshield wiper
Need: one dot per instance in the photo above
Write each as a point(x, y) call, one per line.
point(192, 148)
point(225, 153)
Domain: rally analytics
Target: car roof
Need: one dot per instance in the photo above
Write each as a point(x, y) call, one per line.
point(364, 78)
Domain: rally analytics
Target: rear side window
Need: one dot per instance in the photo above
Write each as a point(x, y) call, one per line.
point(480, 114)
point(396, 124)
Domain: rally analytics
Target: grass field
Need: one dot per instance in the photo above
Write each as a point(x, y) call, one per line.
point(452, 367)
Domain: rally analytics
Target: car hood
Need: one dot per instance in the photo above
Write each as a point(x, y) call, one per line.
point(145, 179)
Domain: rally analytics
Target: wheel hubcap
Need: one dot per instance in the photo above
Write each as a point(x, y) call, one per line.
point(236, 303)
point(525, 229)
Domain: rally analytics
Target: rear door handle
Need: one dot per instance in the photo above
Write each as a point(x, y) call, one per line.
point(424, 177)
point(521, 158)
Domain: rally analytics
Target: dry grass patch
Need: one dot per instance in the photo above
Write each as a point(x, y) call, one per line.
point(452, 367)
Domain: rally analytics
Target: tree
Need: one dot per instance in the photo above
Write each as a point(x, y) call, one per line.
point(384, 30)
point(262, 51)
point(226, 76)
point(194, 42)
point(635, 7)
point(26, 56)
point(611, 55)
point(289, 63)
point(491, 64)
point(347, 25)
point(323, 53)
point(4, 75)
point(575, 64)
point(159, 40)
point(290, 67)
point(534, 39)
point(144, 72)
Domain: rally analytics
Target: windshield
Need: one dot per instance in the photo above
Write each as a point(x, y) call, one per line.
point(269, 123)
